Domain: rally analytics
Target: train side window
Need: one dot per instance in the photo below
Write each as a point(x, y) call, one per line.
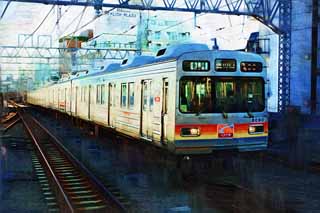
point(114, 94)
point(81, 94)
point(165, 95)
point(76, 94)
point(98, 96)
point(110, 95)
point(131, 94)
point(85, 94)
point(123, 95)
point(103, 94)
point(151, 97)
point(145, 96)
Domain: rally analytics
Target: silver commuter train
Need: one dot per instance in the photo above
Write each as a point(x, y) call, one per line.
point(187, 99)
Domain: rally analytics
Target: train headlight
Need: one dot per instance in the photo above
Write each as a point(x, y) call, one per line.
point(256, 129)
point(252, 129)
point(194, 132)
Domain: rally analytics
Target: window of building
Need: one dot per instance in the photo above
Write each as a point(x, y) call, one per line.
point(157, 34)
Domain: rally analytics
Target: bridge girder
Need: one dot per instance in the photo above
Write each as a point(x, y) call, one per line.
point(266, 11)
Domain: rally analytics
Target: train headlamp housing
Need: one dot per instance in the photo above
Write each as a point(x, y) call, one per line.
point(190, 132)
point(255, 129)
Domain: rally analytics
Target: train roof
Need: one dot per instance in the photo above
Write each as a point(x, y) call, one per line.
point(174, 51)
point(112, 67)
point(169, 53)
point(137, 61)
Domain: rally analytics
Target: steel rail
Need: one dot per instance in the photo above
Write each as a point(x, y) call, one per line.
point(97, 186)
point(11, 124)
point(64, 196)
point(73, 158)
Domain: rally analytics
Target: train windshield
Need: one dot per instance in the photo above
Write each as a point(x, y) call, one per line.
point(221, 94)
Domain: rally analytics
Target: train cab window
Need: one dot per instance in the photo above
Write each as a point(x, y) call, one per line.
point(221, 94)
point(196, 95)
point(103, 94)
point(131, 94)
point(240, 95)
point(123, 95)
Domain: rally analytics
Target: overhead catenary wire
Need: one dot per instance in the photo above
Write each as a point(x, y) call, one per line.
point(89, 22)
point(37, 28)
point(82, 14)
point(5, 9)
point(43, 20)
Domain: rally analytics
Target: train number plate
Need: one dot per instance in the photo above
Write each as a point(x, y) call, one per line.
point(225, 130)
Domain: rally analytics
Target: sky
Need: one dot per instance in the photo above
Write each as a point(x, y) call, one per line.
point(231, 32)
point(23, 18)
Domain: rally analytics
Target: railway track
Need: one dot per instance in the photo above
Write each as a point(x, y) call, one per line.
point(68, 186)
point(9, 121)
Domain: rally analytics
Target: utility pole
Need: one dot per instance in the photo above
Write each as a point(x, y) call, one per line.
point(314, 56)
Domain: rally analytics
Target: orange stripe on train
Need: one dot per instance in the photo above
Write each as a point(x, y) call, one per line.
point(211, 130)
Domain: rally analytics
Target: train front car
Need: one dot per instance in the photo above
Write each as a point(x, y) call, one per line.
point(221, 102)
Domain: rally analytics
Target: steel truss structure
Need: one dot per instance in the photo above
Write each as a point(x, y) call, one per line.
point(50, 53)
point(276, 14)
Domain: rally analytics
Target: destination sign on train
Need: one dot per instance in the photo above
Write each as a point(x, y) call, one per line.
point(225, 65)
point(251, 66)
point(196, 65)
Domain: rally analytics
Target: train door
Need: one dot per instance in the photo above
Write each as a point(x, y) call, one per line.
point(146, 109)
point(111, 102)
point(164, 111)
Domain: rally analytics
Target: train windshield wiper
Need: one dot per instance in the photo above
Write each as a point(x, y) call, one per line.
point(224, 114)
point(249, 114)
point(201, 109)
